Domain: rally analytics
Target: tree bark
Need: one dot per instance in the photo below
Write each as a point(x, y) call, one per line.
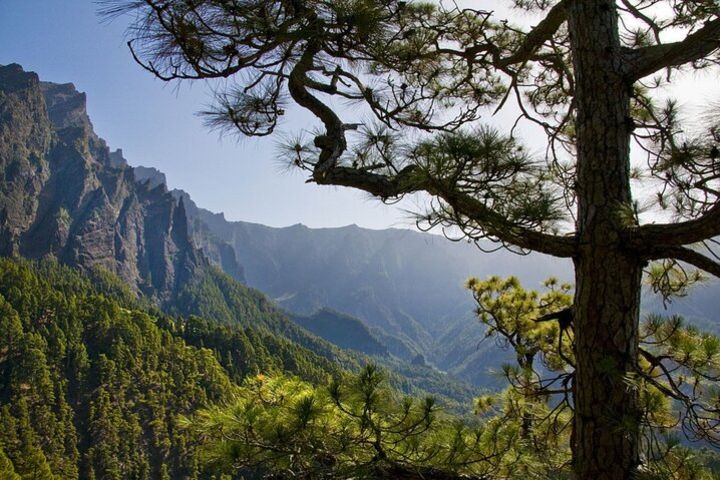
point(608, 275)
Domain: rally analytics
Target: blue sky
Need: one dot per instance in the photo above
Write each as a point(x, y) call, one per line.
point(156, 123)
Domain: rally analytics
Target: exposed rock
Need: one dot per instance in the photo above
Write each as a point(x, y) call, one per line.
point(218, 251)
point(64, 194)
point(117, 160)
point(152, 176)
point(25, 137)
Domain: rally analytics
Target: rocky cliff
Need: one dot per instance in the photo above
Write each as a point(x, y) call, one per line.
point(63, 193)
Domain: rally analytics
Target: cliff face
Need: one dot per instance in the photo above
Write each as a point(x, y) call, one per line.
point(219, 251)
point(25, 138)
point(63, 193)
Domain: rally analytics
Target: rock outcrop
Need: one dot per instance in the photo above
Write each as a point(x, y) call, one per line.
point(63, 193)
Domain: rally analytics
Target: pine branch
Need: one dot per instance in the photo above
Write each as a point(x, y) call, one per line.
point(540, 34)
point(688, 256)
point(333, 144)
point(645, 237)
point(492, 222)
point(696, 46)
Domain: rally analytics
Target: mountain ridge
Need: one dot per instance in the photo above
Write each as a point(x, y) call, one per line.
point(65, 194)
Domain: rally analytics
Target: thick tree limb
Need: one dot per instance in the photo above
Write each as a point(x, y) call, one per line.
point(499, 226)
point(677, 234)
point(564, 317)
point(696, 46)
point(688, 256)
point(495, 224)
point(333, 144)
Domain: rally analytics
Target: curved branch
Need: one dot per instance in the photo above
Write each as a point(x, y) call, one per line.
point(495, 224)
point(541, 33)
point(696, 46)
point(688, 256)
point(499, 226)
point(706, 226)
point(333, 145)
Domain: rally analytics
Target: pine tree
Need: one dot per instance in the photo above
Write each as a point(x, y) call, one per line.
point(7, 470)
point(355, 427)
point(12, 330)
point(29, 460)
point(587, 74)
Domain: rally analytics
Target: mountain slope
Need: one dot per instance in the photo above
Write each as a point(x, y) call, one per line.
point(64, 194)
point(406, 286)
point(342, 330)
point(93, 386)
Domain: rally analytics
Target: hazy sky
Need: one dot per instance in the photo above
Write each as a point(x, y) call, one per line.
point(156, 124)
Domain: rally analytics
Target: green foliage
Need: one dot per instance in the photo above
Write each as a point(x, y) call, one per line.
point(248, 351)
point(89, 385)
point(514, 315)
point(355, 427)
point(676, 375)
point(669, 279)
point(492, 167)
point(216, 296)
point(92, 385)
point(7, 470)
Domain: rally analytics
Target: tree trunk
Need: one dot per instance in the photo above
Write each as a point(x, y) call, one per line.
point(608, 277)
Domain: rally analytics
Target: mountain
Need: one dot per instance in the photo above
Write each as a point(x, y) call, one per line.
point(406, 286)
point(64, 193)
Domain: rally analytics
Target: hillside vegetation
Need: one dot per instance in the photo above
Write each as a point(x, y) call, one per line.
point(92, 385)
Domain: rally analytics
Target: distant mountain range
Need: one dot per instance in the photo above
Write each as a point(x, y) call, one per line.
point(407, 287)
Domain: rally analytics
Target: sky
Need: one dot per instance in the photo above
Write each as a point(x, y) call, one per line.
point(156, 123)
